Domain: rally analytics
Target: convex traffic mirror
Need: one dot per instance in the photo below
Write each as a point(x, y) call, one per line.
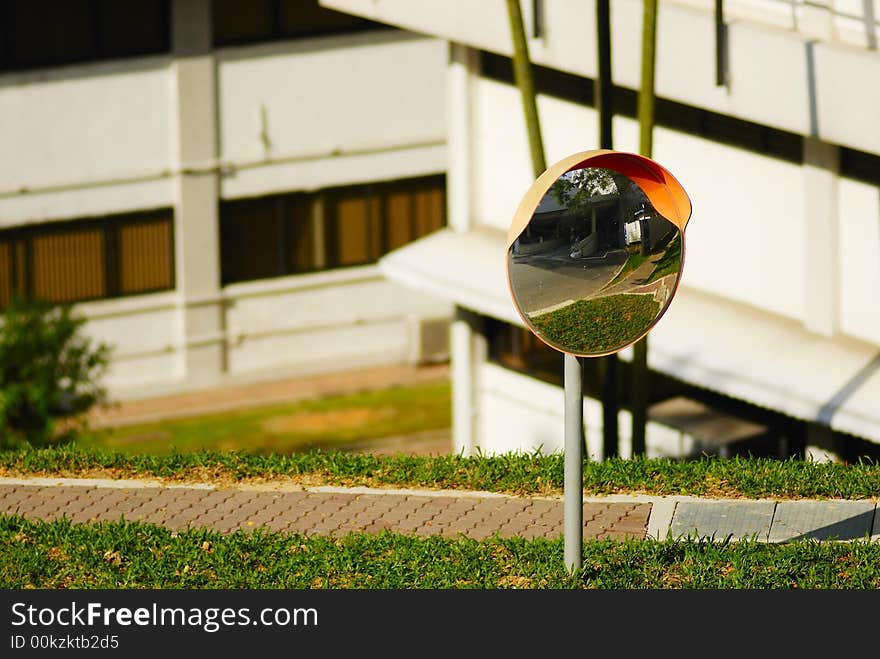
point(595, 251)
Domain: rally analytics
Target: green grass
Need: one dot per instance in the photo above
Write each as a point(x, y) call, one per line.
point(610, 320)
point(527, 474)
point(320, 423)
point(123, 555)
point(670, 263)
point(633, 262)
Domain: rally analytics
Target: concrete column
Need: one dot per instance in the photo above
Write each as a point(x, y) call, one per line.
point(469, 351)
point(817, 20)
point(463, 67)
point(197, 244)
point(467, 342)
point(821, 444)
point(822, 268)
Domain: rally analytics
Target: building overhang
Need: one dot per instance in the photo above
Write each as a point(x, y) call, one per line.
point(702, 339)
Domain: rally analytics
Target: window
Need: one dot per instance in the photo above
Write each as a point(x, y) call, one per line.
point(266, 237)
point(88, 259)
point(860, 165)
point(338, 227)
point(239, 21)
point(518, 349)
point(44, 33)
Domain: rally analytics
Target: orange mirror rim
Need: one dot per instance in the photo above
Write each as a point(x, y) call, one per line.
point(659, 185)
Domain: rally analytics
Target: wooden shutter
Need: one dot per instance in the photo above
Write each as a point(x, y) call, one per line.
point(68, 264)
point(357, 228)
point(299, 234)
point(6, 272)
point(399, 218)
point(146, 259)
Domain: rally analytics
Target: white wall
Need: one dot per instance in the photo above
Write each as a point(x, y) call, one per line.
point(65, 129)
point(325, 321)
point(143, 333)
point(519, 413)
point(311, 113)
point(775, 79)
point(502, 168)
point(745, 240)
point(98, 139)
point(336, 319)
point(859, 245)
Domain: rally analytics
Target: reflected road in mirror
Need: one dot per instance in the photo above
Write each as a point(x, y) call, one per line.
point(596, 266)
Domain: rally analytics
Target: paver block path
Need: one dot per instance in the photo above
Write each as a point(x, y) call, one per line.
point(328, 513)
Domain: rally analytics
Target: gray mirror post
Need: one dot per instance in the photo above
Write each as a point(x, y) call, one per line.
point(594, 256)
point(573, 506)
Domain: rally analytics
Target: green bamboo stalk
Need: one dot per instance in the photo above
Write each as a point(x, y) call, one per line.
point(522, 71)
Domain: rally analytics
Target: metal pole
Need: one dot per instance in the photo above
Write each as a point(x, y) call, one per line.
point(573, 484)
point(720, 45)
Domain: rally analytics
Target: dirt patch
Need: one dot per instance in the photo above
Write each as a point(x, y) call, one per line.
point(318, 422)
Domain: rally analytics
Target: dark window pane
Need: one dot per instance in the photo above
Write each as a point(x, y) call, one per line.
point(133, 27)
point(518, 349)
point(52, 32)
point(236, 21)
point(338, 227)
point(303, 18)
point(250, 232)
point(860, 165)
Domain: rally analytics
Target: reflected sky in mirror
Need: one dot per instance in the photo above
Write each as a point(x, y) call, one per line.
point(596, 266)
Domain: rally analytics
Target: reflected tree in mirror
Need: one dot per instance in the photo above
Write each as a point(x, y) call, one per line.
point(596, 266)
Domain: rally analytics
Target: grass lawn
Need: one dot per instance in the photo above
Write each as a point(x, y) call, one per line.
point(131, 555)
point(327, 422)
point(522, 474)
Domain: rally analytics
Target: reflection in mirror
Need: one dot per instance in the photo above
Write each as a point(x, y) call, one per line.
point(596, 266)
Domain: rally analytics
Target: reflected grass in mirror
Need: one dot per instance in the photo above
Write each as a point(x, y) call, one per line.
point(609, 320)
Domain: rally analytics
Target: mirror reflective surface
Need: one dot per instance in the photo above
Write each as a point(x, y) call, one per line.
point(596, 266)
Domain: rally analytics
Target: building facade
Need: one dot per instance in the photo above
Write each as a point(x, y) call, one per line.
point(212, 182)
point(768, 115)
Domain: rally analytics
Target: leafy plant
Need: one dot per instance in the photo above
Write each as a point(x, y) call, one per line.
point(49, 374)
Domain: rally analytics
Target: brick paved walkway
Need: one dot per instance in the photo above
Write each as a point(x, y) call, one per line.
point(320, 512)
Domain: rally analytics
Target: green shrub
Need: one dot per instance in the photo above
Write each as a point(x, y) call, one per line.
point(49, 374)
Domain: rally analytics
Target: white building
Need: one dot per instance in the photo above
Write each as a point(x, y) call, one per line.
point(213, 181)
point(778, 316)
